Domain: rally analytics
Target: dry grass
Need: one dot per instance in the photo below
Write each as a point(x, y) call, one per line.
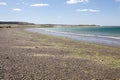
point(31, 56)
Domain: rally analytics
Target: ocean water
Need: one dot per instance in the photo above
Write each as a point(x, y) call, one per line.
point(113, 31)
point(109, 35)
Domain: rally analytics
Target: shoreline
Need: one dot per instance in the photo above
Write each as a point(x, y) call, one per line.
point(28, 55)
point(103, 40)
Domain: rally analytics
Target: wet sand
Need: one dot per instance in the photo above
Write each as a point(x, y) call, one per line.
point(32, 56)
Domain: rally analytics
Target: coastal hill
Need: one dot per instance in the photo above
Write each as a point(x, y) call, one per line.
point(18, 23)
point(15, 24)
point(67, 25)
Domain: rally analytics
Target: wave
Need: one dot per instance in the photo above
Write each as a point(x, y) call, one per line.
point(85, 35)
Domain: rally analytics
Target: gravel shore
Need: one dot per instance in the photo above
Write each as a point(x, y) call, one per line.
point(32, 56)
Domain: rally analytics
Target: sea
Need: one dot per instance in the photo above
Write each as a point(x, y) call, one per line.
point(107, 35)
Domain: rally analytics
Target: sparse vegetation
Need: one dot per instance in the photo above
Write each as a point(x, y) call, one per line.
point(26, 55)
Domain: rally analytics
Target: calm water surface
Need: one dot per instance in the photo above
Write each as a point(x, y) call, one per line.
point(105, 34)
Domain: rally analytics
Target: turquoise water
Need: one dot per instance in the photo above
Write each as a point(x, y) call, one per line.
point(103, 35)
point(98, 31)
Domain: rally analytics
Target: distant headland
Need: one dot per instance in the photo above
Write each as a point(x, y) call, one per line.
point(67, 25)
point(15, 24)
point(18, 23)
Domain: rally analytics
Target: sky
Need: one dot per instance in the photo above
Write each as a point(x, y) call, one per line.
point(99, 12)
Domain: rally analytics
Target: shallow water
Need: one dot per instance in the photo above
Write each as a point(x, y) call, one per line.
point(102, 35)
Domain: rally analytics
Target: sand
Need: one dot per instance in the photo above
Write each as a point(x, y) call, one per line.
point(32, 56)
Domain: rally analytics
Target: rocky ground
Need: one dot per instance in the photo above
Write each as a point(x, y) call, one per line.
point(31, 56)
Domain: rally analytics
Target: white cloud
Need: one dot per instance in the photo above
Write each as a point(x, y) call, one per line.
point(22, 3)
point(75, 1)
point(117, 0)
point(87, 10)
point(93, 10)
point(81, 10)
point(41, 5)
point(3, 3)
point(17, 9)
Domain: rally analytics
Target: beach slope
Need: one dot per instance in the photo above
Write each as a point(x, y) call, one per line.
point(31, 56)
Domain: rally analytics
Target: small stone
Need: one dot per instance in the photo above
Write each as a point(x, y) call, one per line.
point(7, 57)
point(36, 47)
point(102, 60)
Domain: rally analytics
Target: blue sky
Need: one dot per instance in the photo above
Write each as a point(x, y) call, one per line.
point(101, 12)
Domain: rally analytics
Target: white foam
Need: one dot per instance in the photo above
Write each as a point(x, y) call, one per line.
point(87, 35)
